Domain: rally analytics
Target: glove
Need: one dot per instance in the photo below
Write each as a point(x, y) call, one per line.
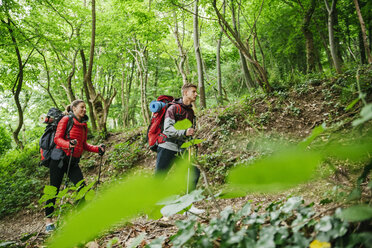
point(101, 150)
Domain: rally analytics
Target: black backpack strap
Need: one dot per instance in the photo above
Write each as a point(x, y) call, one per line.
point(70, 123)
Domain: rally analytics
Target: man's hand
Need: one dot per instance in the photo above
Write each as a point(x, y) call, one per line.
point(73, 143)
point(101, 149)
point(190, 132)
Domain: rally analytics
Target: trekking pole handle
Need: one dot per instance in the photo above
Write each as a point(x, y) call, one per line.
point(100, 151)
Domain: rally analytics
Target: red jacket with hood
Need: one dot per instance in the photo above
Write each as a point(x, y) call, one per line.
point(79, 132)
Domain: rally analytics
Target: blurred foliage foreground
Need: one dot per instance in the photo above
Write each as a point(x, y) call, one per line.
point(282, 224)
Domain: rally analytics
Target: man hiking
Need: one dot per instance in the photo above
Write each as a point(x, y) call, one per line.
point(166, 152)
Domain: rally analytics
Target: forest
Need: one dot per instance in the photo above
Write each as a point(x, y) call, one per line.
point(283, 118)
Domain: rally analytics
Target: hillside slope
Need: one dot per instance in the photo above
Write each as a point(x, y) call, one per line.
point(232, 134)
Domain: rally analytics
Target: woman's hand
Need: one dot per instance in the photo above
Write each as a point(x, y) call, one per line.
point(73, 143)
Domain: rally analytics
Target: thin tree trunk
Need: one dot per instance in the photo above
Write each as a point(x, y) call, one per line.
point(17, 87)
point(98, 108)
point(332, 44)
point(123, 85)
point(198, 57)
point(247, 76)
point(234, 38)
point(181, 50)
point(48, 80)
point(71, 95)
point(310, 49)
point(364, 35)
point(218, 66)
point(361, 48)
point(86, 90)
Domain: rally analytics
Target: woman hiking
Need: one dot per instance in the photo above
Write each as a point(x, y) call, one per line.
point(69, 148)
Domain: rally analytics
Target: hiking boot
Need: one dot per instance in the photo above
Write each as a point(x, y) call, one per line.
point(50, 228)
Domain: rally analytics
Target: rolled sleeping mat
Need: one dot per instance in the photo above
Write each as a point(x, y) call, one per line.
point(156, 106)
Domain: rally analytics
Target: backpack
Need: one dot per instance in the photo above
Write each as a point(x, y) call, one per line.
point(46, 142)
point(155, 129)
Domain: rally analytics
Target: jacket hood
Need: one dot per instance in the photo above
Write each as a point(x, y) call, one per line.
point(180, 101)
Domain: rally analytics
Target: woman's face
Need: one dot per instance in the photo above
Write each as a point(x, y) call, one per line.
point(80, 110)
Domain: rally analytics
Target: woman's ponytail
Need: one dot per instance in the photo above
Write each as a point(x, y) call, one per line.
point(68, 108)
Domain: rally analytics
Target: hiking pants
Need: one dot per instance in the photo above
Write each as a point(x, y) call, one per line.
point(164, 161)
point(56, 177)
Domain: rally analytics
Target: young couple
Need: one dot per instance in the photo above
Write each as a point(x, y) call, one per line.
point(76, 143)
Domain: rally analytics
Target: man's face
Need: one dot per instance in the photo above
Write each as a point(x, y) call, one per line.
point(191, 94)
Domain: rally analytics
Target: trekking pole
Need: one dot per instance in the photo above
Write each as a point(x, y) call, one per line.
point(100, 165)
point(72, 142)
point(188, 172)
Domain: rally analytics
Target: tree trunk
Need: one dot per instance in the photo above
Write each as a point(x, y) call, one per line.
point(70, 92)
point(128, 91)
point(140, 56)
point(247, 76)
point(364, 35)
point(181, 50)
point(332, 44)
point(235, 39)
point(17, 87)
point(198, 57)
point(86, 90)
point(218, 66)
point(361, 49)
point(309, 40)
point(123, 86)
point(98, 108)
point(48, 79)
point(323, 37)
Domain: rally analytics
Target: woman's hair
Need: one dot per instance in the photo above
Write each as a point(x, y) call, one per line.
point(73, 104)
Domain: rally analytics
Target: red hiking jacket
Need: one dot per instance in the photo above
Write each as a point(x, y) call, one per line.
point(79, 132)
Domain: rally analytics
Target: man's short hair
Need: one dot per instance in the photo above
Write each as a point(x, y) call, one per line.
point(187, 86)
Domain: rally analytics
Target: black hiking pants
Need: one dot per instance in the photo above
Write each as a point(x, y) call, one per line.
point(56, 177)
point(164, 161)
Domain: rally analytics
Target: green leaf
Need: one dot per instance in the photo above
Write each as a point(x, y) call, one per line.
point(314, 134)
point(357, 213)
point(277, 172)
point(357, 151)
point(351, 105)
point(112, 242)
point(157, 243)
point(191, 143)
point(182, 202)
point(182, 125)
point(291, 204)
point(325, 224)
point(135, 242)
point(123, 200)
point(365, 113)
point(90, 195)
point(185, 236)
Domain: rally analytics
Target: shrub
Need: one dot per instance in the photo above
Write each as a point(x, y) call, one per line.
point(21, 178)
point(5, 140)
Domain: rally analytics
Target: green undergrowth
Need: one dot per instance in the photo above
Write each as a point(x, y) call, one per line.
point(21, 178)
point(282, 224)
